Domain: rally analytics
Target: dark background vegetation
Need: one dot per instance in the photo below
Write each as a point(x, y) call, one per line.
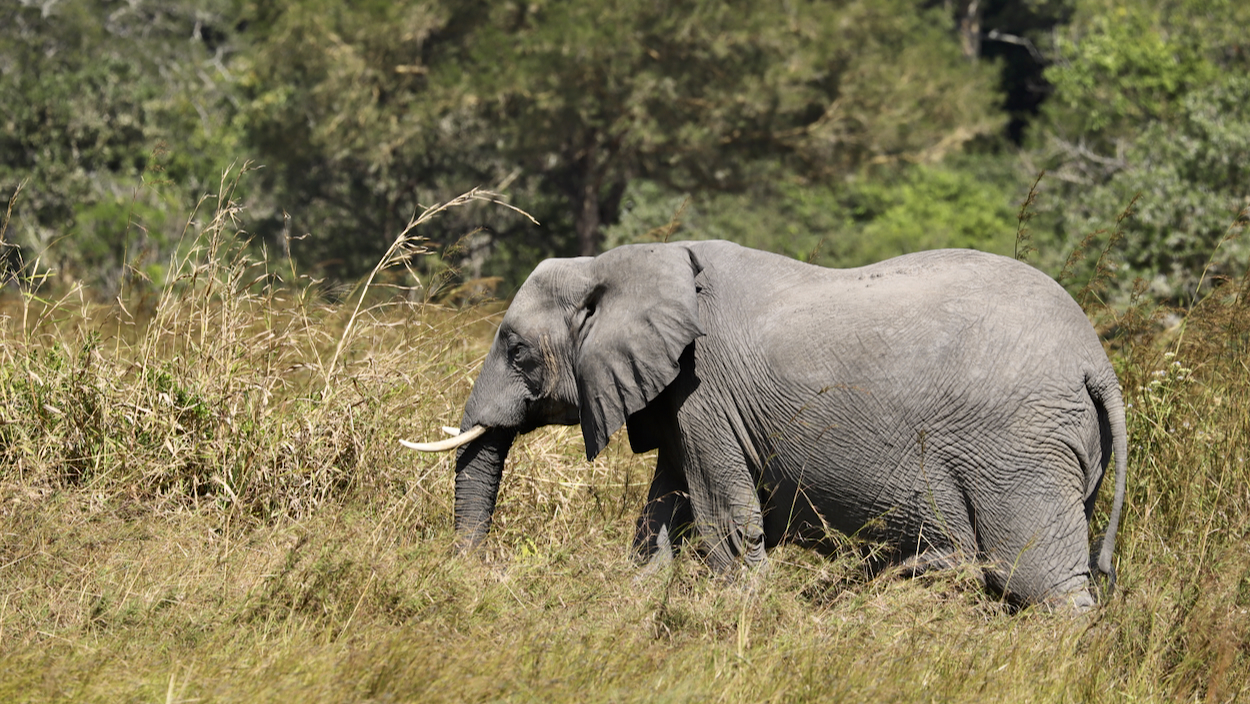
point(840, 131)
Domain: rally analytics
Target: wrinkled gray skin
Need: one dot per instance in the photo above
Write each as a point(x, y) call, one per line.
point(953, 404)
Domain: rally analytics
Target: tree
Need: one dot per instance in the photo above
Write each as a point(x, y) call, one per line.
point(566, 103)
point(703, 95)
point(338, 104)
point(1191, 176)
point(965, 201)
point(114, 116)
point(1150, 101)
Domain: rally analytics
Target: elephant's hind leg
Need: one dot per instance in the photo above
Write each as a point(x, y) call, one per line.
point(935, 560)
point(666, 517)
point(1040, 551)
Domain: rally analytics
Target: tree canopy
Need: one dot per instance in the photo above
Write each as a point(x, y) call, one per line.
point(1150, 101)
point(567, 102)
point(111, 114)
point(839, 131)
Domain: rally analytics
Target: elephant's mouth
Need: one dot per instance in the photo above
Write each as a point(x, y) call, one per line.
point(458, 439)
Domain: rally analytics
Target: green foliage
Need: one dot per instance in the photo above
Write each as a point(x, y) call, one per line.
point(566, 103)
point(964, 203)
point(1192, 175)
point(337, 101)
point(695, 95)
point(1123, 70)
point(842, 132)
point(788, 218)
point(1150, 102)
point(111, 115)
point(690, 92)
point(935, 207)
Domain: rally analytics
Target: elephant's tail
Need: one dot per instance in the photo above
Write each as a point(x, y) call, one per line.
point(1105, 390)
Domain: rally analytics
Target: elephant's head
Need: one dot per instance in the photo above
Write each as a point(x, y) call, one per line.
point(589, 340)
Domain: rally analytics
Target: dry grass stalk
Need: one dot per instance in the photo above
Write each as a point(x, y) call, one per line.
point(1024, 239)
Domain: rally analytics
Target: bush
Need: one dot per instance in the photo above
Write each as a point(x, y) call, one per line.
point(968, 202)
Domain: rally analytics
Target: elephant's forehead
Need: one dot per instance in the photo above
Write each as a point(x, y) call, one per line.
point(553, 287)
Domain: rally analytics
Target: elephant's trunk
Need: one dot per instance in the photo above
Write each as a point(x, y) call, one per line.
point(479, 466)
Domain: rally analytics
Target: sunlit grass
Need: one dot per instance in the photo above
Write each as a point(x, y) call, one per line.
point(205, 500)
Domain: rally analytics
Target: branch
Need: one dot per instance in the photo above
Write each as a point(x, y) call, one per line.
point(996, 36)
point(1082, 165)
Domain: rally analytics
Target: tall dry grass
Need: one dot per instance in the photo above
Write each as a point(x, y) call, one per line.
point(202, 499)
point(227, 385)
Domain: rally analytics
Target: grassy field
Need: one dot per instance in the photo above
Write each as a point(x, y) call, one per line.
point(202, 499)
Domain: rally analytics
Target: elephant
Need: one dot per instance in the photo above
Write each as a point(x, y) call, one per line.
point(953, 406)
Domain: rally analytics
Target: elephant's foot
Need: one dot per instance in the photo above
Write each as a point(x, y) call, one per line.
point(755, 571)
point(740, 557)
point(1073, 597)
point(1075, 603)
point(656, 555)
point(929, 561)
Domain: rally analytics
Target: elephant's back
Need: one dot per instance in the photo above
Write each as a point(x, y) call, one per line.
point(939, 286)
point(951, 278)
point(954, 312)
point(955, 319)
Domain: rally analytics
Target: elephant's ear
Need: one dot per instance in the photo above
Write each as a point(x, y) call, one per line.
point(641, 312)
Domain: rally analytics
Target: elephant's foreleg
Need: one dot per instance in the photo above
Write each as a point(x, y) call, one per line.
point(726, 506)
point(666, 517)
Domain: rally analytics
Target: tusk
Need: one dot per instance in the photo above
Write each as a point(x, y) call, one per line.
point(451, 431)
point(449, 444)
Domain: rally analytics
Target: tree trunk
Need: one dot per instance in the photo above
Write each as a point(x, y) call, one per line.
point(970, 30)
point(587, 220)
point(591, 206)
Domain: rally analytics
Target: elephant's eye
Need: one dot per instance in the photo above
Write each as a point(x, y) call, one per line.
point(520, 356)
point(511, 345)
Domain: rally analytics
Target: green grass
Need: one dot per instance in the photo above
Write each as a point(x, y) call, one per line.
point(202, 499)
